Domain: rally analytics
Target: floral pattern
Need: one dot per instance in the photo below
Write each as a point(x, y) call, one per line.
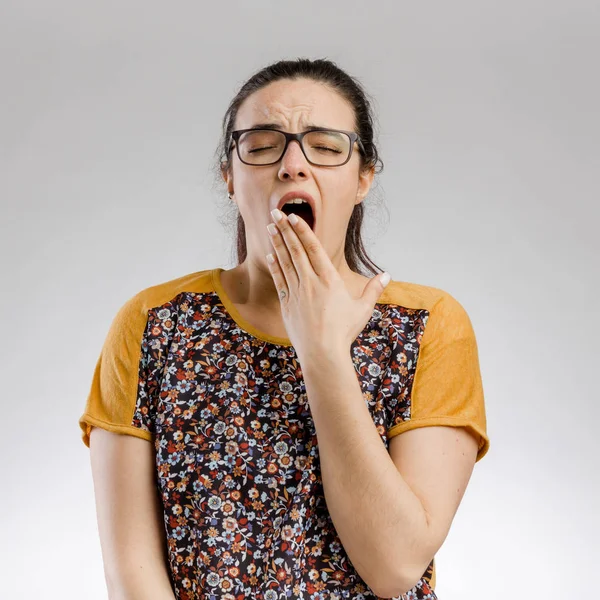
point(237, 455)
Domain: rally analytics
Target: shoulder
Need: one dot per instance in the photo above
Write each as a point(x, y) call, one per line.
point(165, 292)
point(131, 319)
point(442, 311)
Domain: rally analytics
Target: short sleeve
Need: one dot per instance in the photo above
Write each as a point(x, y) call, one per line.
point(447, 389)
point(120, 397)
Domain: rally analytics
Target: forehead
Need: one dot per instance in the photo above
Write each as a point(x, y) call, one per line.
point(296, 104)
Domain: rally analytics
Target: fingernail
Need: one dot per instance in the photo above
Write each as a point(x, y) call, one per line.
point(385, 279)
point(277, 214)
point(293, 219)
point(270, 258)
point(272, 229)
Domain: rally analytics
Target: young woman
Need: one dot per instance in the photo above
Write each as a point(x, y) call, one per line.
point(312, 429)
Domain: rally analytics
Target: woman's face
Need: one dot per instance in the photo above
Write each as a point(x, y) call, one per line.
point(294, 106)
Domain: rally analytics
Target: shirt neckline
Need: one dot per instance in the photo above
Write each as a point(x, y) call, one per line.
point(235, 315)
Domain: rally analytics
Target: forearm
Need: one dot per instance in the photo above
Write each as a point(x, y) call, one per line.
point(380, 521)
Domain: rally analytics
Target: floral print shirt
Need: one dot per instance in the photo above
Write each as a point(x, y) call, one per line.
point(237, 458)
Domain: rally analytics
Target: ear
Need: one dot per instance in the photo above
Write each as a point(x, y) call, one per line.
point(227, 177)
point(365, 180)
point(224, 170)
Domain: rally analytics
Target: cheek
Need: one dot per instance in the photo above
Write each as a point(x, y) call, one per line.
point(338, 205)
point(256, 217)
point(252, 194)
point(255, 214)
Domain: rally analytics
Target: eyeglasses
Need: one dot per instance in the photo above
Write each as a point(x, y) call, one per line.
point(321, 147)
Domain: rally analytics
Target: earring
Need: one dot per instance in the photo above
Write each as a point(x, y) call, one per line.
point(230, 195)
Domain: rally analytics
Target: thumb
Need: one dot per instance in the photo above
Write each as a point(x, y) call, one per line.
point(374, 288)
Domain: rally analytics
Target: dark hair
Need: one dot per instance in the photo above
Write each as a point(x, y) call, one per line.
point(320, 70)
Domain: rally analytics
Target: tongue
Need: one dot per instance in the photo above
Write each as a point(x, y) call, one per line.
point(302, 210)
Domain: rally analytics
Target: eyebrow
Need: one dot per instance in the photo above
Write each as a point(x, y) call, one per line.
point(309, 127)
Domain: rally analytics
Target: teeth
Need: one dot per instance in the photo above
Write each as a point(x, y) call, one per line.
point(297, 201)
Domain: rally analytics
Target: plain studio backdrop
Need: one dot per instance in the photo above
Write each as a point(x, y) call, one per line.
point(488, 124)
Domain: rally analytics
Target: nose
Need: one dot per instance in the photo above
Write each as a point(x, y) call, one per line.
point(294, 149)
point(293, 160)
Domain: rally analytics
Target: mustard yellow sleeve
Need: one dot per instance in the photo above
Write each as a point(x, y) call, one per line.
point(119, 399)
point(447, 388)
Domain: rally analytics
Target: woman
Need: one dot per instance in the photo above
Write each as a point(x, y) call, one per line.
point(275, 393)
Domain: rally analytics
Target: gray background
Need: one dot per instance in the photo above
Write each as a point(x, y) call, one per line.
point(488, 119)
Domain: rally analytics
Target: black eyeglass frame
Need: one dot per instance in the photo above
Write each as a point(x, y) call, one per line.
point(354, 137)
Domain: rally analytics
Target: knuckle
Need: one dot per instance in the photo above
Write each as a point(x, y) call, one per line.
point(295, 250)
point(286, 264)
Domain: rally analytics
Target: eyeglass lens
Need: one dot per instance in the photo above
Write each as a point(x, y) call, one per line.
point(262, 146)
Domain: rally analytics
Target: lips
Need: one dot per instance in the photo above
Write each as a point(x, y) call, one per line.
point(305, 196)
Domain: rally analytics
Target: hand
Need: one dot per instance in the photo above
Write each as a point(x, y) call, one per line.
point(319, 313)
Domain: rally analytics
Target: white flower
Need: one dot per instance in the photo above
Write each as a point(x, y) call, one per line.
point(281, 447)
point(374, 370)
point(285, 387)
point(214, 502)
point(220, 427)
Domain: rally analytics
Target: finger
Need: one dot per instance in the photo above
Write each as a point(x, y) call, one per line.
point(295, 247)
point(277, 274)
point(283, 257)
point(319, 259)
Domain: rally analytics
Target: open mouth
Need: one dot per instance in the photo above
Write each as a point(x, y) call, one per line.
point(302, 210)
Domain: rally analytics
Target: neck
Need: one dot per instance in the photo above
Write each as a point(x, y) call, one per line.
point(251, 282)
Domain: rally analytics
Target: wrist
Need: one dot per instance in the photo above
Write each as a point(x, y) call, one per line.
point(324, 357)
